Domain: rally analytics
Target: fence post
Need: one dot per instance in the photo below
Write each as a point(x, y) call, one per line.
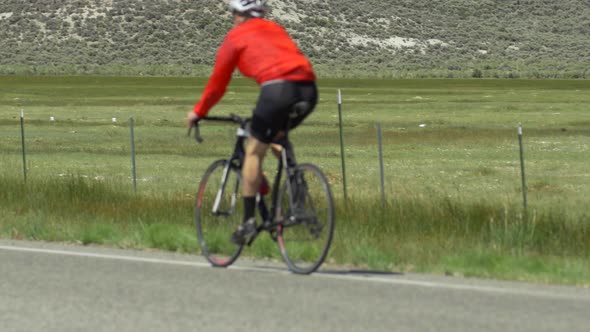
point(342, 144)
point(22, 133)
point(524, 189)
point(133, 155)
point(381, 171)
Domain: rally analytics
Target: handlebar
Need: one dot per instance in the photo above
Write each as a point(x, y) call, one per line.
point(233, 118)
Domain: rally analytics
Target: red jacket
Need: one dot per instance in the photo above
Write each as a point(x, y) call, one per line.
point(261, 49)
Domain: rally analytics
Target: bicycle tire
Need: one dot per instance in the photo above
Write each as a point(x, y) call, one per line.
point(214, 230)
point(306, 228)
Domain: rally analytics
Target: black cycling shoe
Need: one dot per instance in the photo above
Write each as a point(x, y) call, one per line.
point(244, 232)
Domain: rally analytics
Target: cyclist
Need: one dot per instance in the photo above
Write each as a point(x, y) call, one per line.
point(261, 49)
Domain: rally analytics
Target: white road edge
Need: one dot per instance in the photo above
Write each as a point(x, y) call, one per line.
point(455, 283)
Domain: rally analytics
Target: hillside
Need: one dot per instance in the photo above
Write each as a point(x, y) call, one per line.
point(404, 38)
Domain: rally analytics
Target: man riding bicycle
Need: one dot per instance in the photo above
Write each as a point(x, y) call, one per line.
point(261, 49)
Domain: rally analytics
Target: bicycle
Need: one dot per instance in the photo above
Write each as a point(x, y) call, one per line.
point(301, 214)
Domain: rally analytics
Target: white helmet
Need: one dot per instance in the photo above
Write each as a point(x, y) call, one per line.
point(253, 8)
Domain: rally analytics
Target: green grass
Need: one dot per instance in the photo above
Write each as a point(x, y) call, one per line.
point(454, 200)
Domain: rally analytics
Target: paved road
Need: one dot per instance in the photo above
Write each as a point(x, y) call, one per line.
point(49, 287)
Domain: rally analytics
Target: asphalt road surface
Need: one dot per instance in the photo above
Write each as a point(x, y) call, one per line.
point(51, 287)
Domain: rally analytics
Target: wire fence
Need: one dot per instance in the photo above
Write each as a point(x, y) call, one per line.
point(386, 175)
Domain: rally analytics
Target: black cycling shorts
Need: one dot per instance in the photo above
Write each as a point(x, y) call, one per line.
point(274, 105)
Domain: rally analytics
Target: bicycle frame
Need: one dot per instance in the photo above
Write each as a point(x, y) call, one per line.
point(235, 161)
point(286, 163)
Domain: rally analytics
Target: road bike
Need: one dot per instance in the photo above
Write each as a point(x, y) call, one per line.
point(301, 214)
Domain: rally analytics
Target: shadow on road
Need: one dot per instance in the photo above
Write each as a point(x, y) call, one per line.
point(351, 272)
point(360, 272)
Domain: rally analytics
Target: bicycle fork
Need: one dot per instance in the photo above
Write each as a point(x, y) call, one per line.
point(215, 209)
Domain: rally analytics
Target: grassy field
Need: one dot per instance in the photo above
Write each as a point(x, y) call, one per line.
point(451, 156)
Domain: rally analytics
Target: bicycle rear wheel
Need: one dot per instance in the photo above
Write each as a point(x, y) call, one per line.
point(306, 215)
point(218, 212)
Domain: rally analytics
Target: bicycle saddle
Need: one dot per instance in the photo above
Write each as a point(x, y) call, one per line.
point(299, 109)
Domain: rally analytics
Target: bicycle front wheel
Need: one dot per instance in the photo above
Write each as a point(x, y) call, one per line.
point(219, 211)
point(306, 215)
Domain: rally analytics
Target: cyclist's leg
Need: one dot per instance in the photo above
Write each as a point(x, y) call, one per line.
point(251, 178)
point(252, 169)
point(263, 128)
point(269, 121)
point(276, 147)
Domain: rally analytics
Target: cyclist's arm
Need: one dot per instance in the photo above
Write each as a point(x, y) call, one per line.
point(225, 63)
